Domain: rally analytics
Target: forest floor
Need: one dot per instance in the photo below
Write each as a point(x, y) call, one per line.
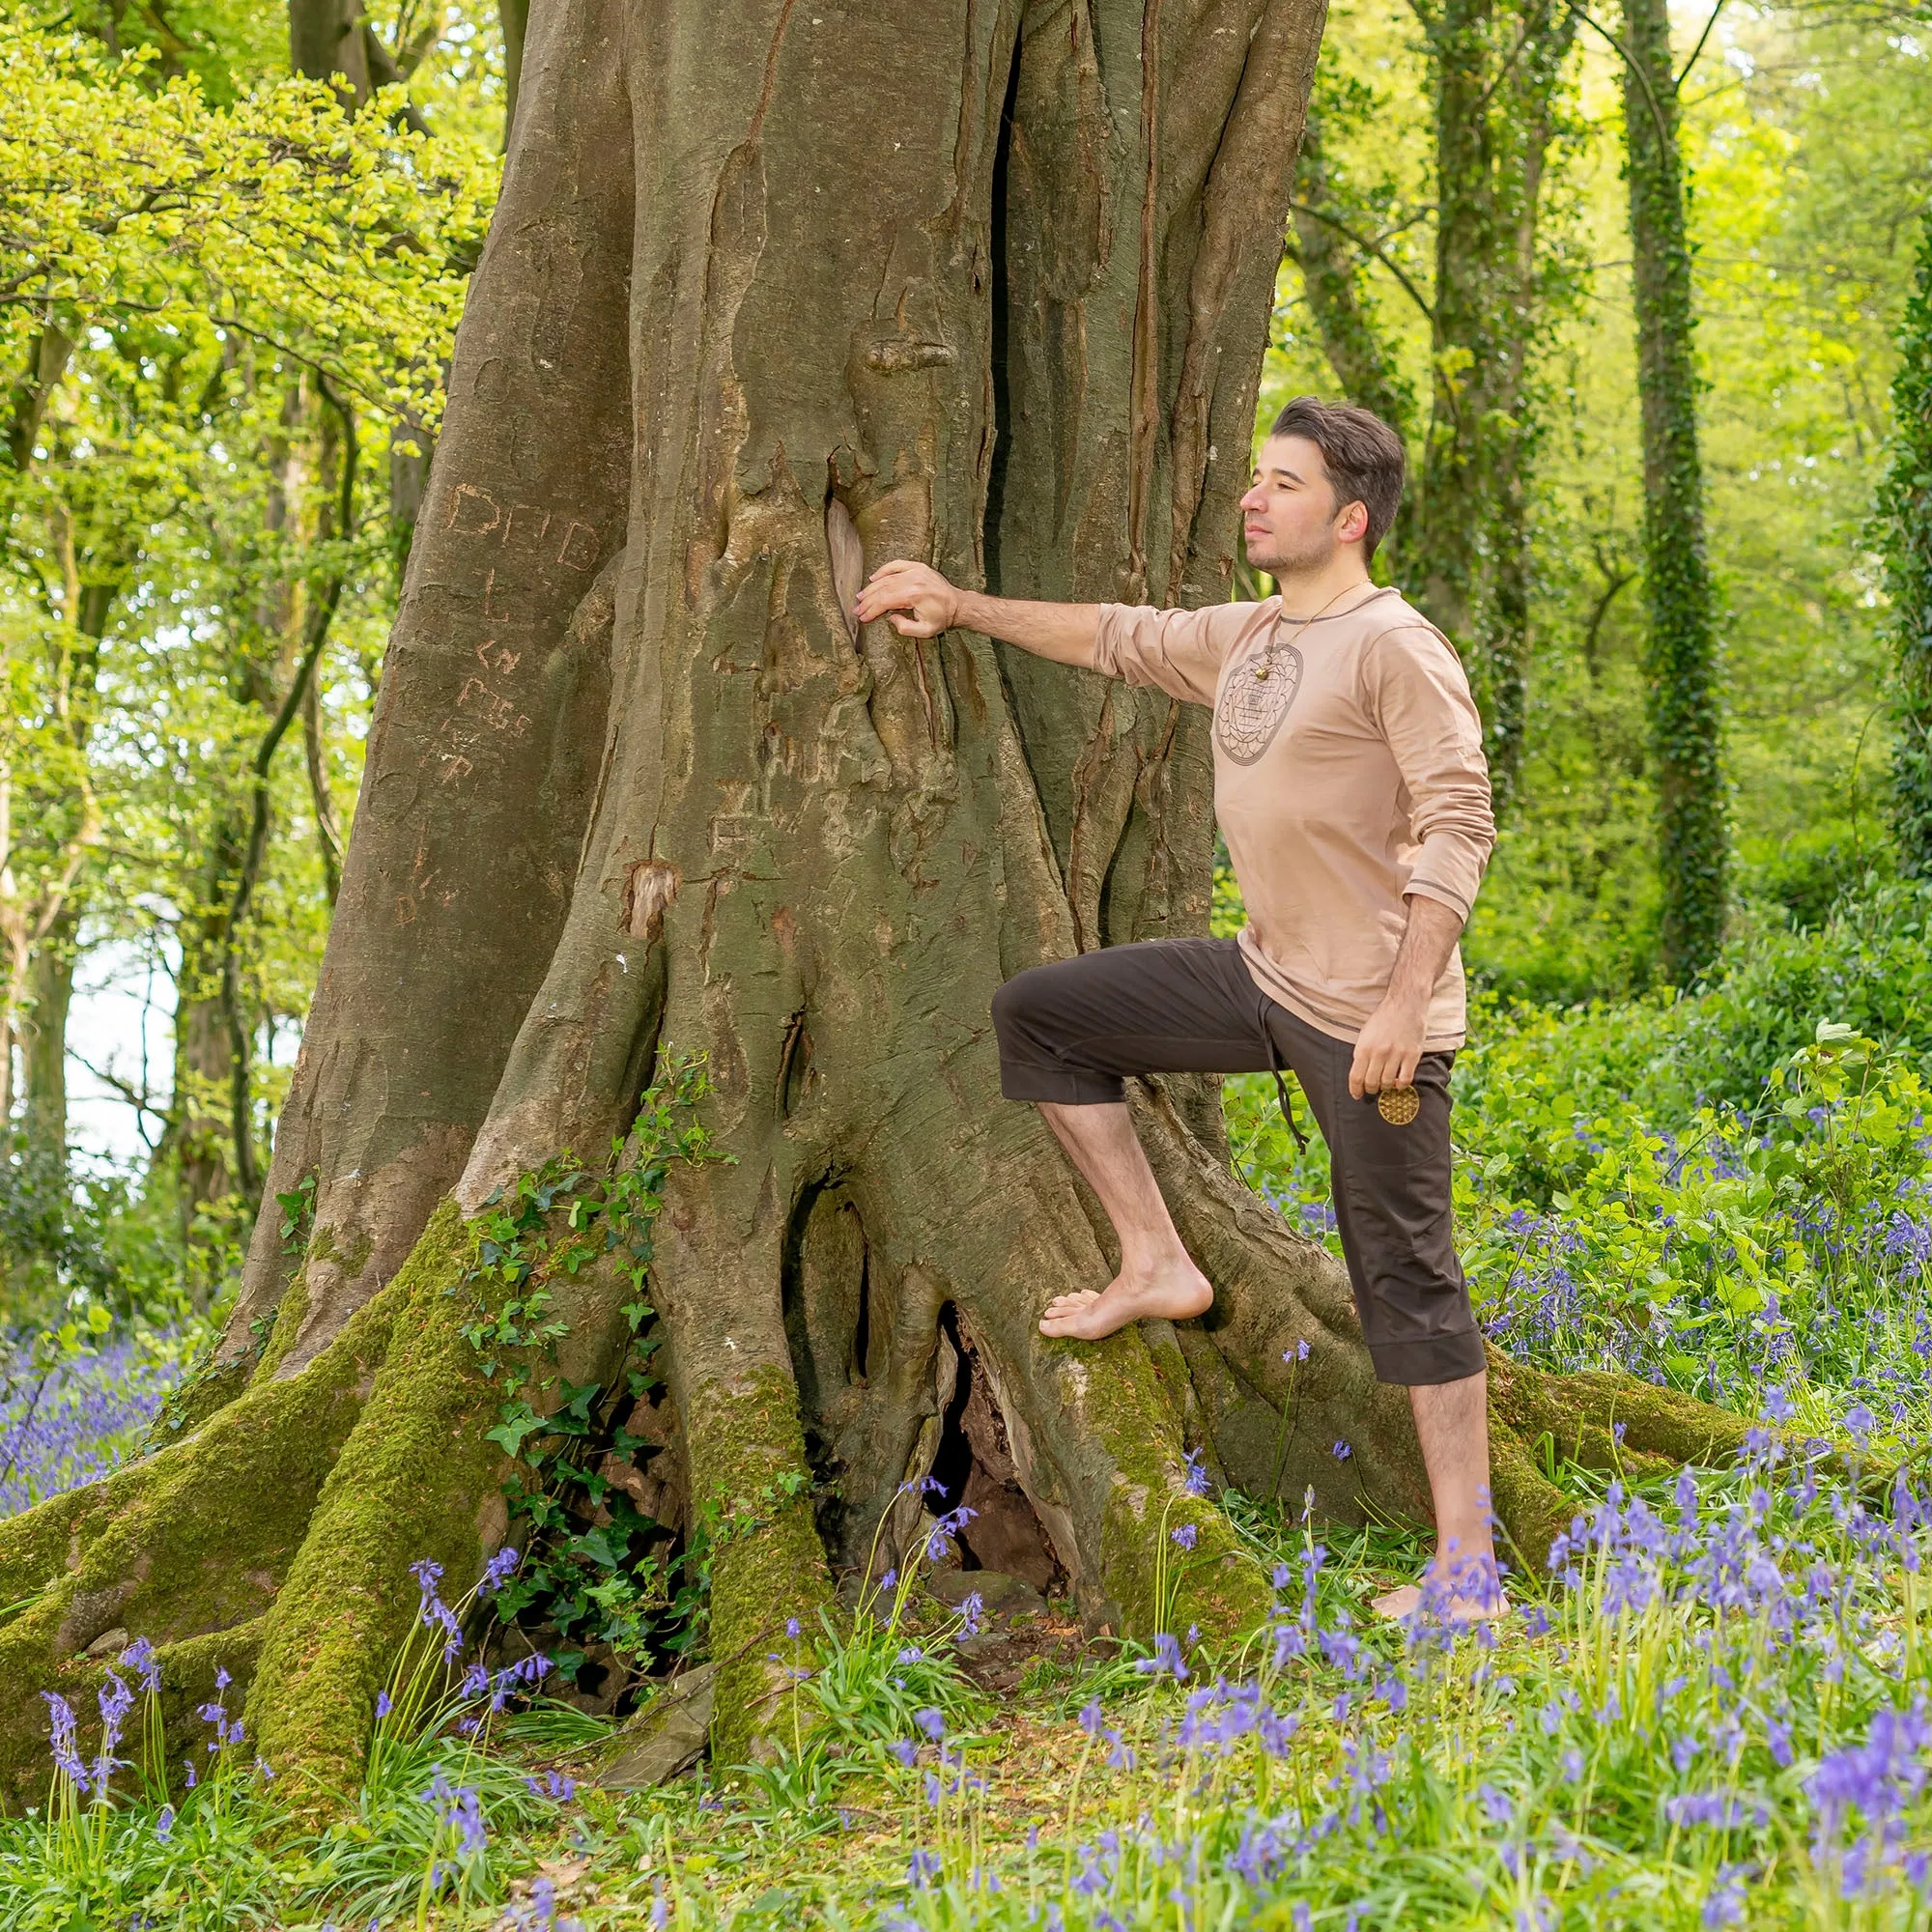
point(1715, 1710)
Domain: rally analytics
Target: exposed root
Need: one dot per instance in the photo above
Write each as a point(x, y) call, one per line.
point(190, 1544)
point(416, 1479)
point(1277, 1418)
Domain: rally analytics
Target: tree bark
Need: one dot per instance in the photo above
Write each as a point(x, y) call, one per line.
point(1906, 509)
point(50, 994)
point(1681, 650)
point(1022, 340)
point(1495, 70)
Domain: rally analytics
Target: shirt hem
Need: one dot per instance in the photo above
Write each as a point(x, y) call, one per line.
point(1435, 1042)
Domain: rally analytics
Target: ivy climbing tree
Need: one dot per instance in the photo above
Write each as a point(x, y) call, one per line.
point(1680, 649)
point(1462, 546)
point(1495, 69)
point(639, 788)
point(1905, 509)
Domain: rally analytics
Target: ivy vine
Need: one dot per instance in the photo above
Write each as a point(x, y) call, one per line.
point(595, 1566)
point(1681, 650)
point(1905, 521)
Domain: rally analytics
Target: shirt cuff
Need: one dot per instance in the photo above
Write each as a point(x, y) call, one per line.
point(1428, 888)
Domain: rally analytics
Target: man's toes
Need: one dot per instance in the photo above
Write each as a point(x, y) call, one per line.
point(1400, 1602)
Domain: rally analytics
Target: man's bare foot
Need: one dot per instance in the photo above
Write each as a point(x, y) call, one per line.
point(1402, 1603)
point(1172, 1296)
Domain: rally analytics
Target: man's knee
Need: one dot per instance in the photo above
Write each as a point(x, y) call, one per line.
point(1016, 1007)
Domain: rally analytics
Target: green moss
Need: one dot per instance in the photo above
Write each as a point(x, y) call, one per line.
point(1155, 1583)
point(290, 1314)
point(746, 1458)
point(414, 1480)
point(210, 1386)
point(193, 1540)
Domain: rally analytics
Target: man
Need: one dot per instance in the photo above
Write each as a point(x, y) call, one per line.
point(1351, 786)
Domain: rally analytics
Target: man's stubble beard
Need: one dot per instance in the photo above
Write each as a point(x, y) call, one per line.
point(1309, 561)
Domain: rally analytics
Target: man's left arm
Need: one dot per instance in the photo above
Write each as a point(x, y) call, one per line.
point(1422, 702)
point(1389, 1048)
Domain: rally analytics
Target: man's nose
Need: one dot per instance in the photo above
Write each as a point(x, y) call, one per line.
point(1253, 501)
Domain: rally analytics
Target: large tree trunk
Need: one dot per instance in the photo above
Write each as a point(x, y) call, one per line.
point(1021, 338)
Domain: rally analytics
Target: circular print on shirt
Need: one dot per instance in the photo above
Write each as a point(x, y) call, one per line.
point(1255, 698)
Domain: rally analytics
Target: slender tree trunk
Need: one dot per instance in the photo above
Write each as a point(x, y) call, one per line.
point(1023, 342)
point(322, 800)
point(1681, 654)
point(326, 39)
point(514, 16)
point(50, 994)
point(1906, 507)
point(200, 1113)
point(1333, 272)
point(1494, 70)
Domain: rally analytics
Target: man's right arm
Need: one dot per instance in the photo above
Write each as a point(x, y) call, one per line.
point(920, 603)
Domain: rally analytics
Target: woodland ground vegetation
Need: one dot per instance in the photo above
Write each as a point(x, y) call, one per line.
point(228, 332)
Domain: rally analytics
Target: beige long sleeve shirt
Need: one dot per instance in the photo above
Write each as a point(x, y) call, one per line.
point(1348, 773)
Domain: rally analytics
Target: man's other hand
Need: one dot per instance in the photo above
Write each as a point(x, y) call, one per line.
point(915, 600)
point(1389, 1048)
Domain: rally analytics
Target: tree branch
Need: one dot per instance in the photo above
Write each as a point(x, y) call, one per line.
point(1368, 247)
point(1603, 32)
point(1684, 73)
point(320, 614)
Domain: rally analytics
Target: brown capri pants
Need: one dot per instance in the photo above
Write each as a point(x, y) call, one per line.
point(1070, 1030)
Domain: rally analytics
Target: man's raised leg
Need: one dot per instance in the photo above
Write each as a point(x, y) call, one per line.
point(1158, 1276)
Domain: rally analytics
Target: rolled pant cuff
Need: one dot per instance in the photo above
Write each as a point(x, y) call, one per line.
point(1431, 1359)
point(1069, 1086)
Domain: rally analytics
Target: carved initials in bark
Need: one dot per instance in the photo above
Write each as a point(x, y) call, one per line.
point(1018, 338)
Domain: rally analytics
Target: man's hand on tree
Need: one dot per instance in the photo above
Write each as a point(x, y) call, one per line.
point(931, 604)
point(1389, 1048)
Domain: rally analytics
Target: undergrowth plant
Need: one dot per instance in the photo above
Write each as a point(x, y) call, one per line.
point(595, 1563)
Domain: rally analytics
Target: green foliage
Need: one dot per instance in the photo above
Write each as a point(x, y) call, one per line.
point(1724, 1192)
point(346, 242)
point(594, 1563)
point(1905, 512)
point(430, 1829)
point(862, 1699)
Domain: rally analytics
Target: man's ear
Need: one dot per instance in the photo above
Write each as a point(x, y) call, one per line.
point(1352, 526)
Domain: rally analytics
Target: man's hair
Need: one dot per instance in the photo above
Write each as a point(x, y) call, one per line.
point(1364, 457)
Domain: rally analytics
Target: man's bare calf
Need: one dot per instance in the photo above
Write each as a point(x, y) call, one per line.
point(1452, 1423)
point(1157, 1277)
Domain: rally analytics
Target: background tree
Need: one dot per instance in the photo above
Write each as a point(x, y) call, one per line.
point(1682, 649)
point(639, 789)
point(1905, 509)
point(174, 436)
point(1495, 71)
point(1488, 301)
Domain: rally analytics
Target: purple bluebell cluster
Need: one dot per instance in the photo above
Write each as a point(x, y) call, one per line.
point(94, 1778)
point(459, 1812)
point(77, 1421)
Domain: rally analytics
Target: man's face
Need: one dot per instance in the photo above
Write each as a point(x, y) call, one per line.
point(1290, 516)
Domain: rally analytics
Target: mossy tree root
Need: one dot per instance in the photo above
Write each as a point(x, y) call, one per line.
point(416, 1479)
point(186, 1549)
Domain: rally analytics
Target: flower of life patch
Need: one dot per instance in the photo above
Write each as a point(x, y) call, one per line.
point(1255, 699)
